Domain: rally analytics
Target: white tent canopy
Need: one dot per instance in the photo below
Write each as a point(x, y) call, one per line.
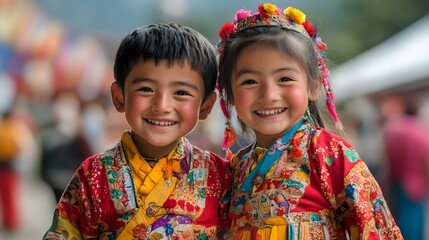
point(402, 59)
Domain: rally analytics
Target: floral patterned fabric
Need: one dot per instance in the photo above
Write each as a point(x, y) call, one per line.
point(318, 188)
point(102, 202)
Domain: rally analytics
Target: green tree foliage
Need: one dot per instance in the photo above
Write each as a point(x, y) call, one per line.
point(360, 25)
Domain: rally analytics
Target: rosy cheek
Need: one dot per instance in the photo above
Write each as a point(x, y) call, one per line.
point(135, 102)
point(296, 93)
point(189, 107)
point(246, 98)
point(186, 107)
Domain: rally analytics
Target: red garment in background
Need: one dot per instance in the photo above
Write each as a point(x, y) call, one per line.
point(11, 132)
point(407, 149)
point(10, 206)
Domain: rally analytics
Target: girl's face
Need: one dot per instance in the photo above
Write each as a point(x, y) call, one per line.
point(270, 92)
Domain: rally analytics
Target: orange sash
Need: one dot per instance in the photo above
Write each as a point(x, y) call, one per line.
point(154, 186)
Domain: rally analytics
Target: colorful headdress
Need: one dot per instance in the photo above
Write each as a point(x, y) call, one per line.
point(270, 15)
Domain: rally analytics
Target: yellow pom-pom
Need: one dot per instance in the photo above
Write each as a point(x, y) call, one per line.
point(270, 8)
point(295, 15)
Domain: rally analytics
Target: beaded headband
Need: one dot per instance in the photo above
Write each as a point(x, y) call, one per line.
point(270, 15)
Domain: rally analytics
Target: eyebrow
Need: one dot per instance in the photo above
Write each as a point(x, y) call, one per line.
point(140, 79)
point(185, 83)
point(245, 70)
point(174, 83)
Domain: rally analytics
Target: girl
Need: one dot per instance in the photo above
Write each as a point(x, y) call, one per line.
point(297, 180)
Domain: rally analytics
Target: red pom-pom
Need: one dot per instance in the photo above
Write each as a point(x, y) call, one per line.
point(261, 9)
point(309, 28)
point(229, 154)
point(228, 139)
point(321, 45)
point(226, 30)
point(296, 152)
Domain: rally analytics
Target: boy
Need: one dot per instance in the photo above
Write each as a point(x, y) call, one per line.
point(154, 184)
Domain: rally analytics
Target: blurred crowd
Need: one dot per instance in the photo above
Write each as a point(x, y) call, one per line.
point(391, 131)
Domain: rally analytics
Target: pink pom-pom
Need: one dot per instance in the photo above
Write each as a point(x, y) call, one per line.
point(339, 125)
point(224, 108)
point(332, 111)
point(242, 14)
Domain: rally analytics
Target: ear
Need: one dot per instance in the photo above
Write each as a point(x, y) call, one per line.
point(117, 97)
point(313, 93)
point(207, 106)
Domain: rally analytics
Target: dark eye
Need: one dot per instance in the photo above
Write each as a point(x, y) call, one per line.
point(248, 82)
point(285, 79)
point(182, 93)
point(145, 89)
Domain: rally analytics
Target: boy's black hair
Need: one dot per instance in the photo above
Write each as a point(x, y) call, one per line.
point(167, 41)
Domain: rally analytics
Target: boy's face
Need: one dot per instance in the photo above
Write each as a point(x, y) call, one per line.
point(161, 104)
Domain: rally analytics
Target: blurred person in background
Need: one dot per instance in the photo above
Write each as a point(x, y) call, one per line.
point(11, 146)
point(94, 125)
point(406, 144)
point(63, 145)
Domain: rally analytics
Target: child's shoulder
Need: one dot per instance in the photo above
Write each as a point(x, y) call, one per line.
point(241, 154)
point(325, 136)
point(207, 155)
point(211, 158)
point(111, 158)
point(330, 147)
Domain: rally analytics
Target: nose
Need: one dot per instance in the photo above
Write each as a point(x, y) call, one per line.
point(268, 92)
point(161, 103)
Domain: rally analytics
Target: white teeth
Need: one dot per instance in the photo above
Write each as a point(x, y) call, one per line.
point(270, 112)
point(160, 123)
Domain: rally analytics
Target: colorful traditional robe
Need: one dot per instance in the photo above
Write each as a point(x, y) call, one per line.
point(316, 187)
point(117, 195)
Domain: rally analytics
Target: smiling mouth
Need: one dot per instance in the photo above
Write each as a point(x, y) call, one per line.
point(270, 112)
point(160, 123)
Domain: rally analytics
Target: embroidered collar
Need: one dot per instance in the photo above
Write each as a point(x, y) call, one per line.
point(267, 159)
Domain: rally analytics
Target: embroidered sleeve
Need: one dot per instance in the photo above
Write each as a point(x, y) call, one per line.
point(68, 215)
point(225, 177)
point(364, 210)
point(352, 190)
point(78, 213)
